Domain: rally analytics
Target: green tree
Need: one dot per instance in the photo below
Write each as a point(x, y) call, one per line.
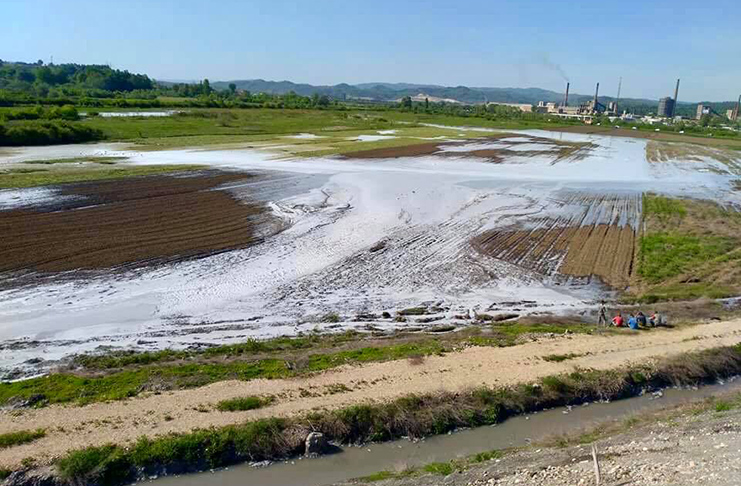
point(406, 102)
point(232, 87)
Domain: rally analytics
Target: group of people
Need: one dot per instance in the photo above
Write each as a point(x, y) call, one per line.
point(633, 321)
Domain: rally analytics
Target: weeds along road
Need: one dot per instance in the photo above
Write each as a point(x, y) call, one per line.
point(70, 427)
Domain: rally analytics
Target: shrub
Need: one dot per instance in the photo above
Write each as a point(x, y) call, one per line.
point(46, 133)
point(243, 403)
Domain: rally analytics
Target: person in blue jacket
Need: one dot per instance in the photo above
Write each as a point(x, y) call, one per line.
point(633, 322)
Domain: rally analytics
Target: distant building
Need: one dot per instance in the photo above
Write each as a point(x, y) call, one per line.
point(666, 108)
point(731, 115)
point(520, 106)
point(702, 110)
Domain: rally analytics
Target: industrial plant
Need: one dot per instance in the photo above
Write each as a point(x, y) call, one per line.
point(666, 110)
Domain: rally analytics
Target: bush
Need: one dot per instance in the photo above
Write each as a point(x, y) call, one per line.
point(242, 404)
point(46, 133)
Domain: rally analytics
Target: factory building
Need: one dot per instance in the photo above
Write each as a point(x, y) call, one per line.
point(702, 110)
point(667, 105)
point(733, 114)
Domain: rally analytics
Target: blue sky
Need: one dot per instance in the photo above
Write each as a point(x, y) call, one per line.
point(649, 43)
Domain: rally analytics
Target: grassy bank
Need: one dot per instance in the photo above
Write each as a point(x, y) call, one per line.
point(410, 416)
point(63, 173)
point(123, 375)
point(688, 249)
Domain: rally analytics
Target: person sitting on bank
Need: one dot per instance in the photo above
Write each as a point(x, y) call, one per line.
point(618, 320)
point(633, 322)
point(658, 319)
point(641, 318)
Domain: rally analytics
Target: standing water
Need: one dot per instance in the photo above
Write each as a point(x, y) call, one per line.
point(354, 462)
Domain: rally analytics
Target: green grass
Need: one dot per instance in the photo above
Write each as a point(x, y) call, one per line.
point(723, 406)
point(663, 207)
point(214, 126)
point(130, 373)
point(41, 177)
point(22, 437)
point(558, 358)
point(441, 468)
point(243, 403)
point(667, 254)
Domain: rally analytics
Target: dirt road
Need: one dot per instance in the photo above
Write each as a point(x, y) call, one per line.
point(71, 427)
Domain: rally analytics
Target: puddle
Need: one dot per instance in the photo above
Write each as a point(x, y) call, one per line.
point(354, 462)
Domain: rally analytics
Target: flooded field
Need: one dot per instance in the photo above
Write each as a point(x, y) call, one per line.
point(528, 222)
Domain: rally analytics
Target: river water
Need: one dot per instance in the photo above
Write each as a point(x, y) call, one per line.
point(354, 462)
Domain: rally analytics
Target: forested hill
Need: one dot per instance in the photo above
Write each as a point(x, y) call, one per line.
point(392, 92)
point(396, 91)
point(68, 79)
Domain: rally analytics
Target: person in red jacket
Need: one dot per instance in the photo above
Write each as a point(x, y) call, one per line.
point(618, 321)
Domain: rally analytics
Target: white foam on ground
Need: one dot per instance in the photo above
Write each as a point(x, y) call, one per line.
point(425, 209)
point(371, 138)
point(305, 136)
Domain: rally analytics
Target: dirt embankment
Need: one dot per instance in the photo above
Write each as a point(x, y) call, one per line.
point(183, 411)
point(136, 220)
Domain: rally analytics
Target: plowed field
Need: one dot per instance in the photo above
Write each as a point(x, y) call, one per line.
point(136, 220)
point(597, 239)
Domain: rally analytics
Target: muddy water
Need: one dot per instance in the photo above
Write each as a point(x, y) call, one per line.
point(355, 462)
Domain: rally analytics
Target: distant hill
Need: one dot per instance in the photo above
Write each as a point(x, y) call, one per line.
point(394, 91)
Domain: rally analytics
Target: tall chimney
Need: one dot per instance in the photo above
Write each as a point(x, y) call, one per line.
point(596, 93)
point(735, 111)
point(566, 98)
point(676, 94)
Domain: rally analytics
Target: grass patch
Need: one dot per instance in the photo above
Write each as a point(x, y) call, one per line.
point(723, 406)
point(665, 255)
point(441, 468)
point(127, 374)
point(42, 177)
point(243, 404)
point(558, 358)
point(663, 207)
point(22, 437)
point(486, 456)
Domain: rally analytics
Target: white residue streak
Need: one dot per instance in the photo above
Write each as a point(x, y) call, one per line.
point(424, 210)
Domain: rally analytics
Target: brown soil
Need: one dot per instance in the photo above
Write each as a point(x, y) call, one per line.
point(561, 150)
point(141, 219)
point(605, 248)
point(415, 150)
point(70, 427)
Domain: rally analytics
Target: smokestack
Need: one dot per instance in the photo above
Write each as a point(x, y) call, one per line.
point(735, 111)
point(596, 93)
point(676, 94)
point(566, 98)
